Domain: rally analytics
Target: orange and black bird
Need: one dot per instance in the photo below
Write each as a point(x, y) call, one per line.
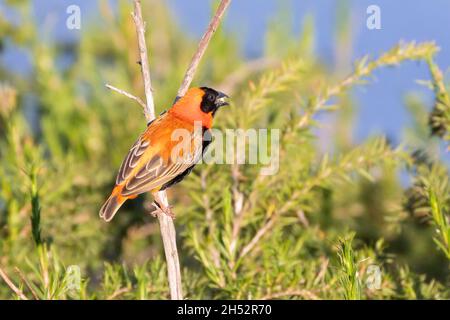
point(158, 160)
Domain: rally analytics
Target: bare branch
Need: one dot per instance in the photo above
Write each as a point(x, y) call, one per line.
point(170, 248)
point(117, 293)
point(140, 31)
point(261, 232)
point(212, 27)
point(27, 283)
point(128, 95)
point(271, 221)
point(12, 285)
point(322, 271)
point(290, 293)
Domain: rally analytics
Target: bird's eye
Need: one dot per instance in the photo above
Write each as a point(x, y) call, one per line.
point(211, 97)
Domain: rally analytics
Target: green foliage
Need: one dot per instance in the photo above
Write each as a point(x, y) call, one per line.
point(311, 231)
point(35, 208)
point(439, 118)
point(349, 278)
point(440, 221)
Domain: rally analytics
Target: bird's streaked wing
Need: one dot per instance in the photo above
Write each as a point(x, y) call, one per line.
point(156, 171)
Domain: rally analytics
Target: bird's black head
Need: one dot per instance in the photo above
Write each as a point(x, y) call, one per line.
point(212, 100)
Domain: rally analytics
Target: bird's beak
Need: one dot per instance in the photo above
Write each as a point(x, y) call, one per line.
point(222, 100)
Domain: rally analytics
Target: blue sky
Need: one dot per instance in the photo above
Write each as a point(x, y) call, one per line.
point(381, 103)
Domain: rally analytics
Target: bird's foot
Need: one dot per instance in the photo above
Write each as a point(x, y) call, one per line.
point(162, 209)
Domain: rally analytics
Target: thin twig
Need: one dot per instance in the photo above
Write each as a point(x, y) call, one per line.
point(169, 237)
point(140, 31)
point(322, 271)
point(261, 232)
point(128, 95)
point(271, 222)
point(300, 293)
point(302, 218)
point(12, 285)
point(27, 283)
point(117, 293)
point(212, 27)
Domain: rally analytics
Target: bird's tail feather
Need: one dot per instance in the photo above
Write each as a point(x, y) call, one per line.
point(111, 206)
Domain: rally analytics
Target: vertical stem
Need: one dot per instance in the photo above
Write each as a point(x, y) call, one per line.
point(10, 284)
point(170, 248)
point(140, 31)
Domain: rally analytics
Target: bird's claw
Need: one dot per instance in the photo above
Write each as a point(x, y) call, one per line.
point(162, 209)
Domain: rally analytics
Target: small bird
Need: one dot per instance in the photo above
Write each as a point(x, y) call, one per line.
point(157, 160)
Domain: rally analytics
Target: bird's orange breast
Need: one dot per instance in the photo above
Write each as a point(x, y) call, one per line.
point(162, 135)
